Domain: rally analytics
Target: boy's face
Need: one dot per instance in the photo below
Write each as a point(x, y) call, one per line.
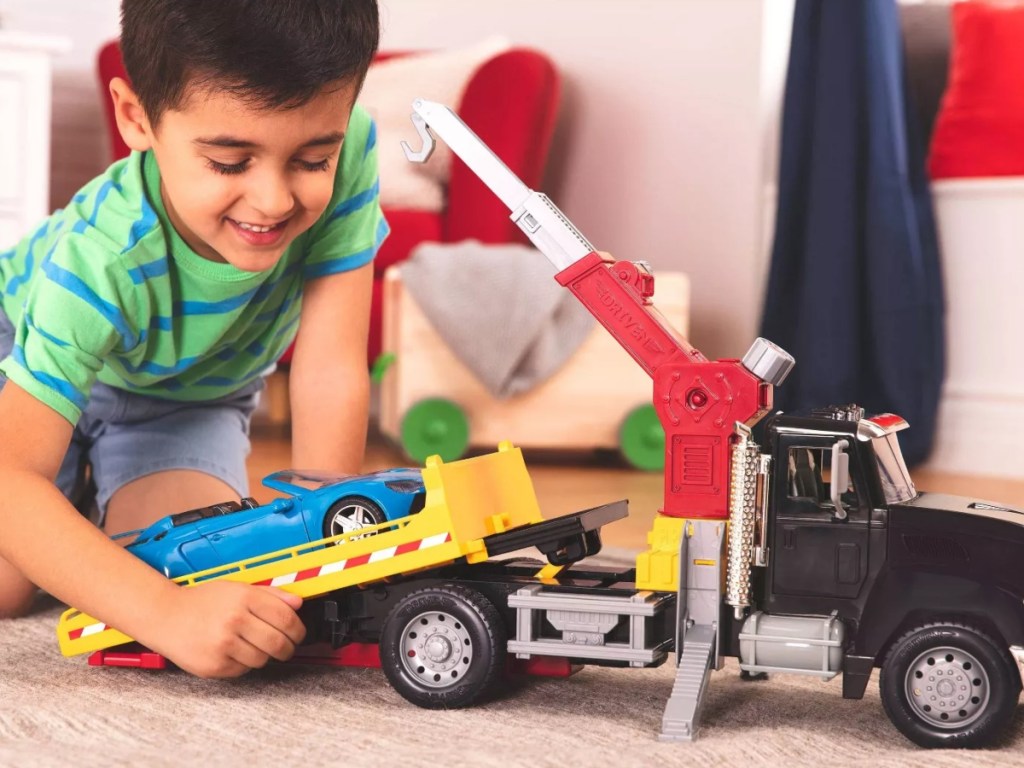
point(239, 182)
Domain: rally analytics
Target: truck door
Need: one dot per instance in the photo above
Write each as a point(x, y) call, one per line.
point(815, 553)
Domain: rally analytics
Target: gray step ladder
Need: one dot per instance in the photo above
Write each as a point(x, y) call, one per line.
point(698, 606)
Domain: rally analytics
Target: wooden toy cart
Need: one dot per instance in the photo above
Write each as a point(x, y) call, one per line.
point(600, 399)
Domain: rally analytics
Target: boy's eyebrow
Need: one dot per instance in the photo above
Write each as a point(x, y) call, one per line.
point(230, 142)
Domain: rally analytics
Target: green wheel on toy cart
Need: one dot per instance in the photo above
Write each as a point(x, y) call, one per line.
point(642, 439)
point(435, 426)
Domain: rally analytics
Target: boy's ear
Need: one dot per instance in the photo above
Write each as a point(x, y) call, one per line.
point(132, 122)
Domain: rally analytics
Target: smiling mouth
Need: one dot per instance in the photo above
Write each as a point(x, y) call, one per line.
point(258, 228)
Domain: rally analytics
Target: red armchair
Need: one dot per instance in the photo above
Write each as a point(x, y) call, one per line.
point(511, 102)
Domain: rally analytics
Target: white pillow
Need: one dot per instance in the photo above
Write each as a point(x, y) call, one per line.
point(391, 87)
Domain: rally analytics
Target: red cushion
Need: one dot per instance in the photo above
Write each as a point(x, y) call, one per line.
point(376, 338)
point(511, 104)
point(980, 127)
point(109, 66)
point(408, 229)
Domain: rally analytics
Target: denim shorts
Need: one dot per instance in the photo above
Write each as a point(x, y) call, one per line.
point(122, 436)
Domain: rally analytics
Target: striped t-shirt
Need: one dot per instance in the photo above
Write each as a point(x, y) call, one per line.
point(107, 290)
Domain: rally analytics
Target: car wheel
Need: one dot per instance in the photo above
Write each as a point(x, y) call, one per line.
point(351, 514)
point(949, 685)
point(443, 647)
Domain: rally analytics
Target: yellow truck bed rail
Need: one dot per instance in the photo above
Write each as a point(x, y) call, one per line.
point(466, 501)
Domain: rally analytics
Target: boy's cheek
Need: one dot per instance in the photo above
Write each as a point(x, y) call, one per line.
point(320, 203)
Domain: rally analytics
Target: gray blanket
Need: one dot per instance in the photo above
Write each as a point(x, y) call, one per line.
point(499, 309)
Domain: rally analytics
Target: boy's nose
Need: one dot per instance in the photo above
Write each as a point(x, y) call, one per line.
point(272, 200)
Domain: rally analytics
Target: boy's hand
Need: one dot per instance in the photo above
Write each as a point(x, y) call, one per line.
point(224, 628)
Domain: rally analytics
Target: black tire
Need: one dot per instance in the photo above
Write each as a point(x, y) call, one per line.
point(443, 647)
point(950, 685)
point(359, 511)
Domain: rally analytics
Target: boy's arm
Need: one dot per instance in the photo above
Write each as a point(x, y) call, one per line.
point(219, 629)
point(329, 381)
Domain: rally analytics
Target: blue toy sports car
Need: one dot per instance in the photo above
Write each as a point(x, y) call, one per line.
point(318, 506)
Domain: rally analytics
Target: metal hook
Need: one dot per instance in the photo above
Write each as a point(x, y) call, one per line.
point(428, 141)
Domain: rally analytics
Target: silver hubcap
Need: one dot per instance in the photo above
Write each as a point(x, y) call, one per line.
point(436, 649)
point(947, 687)
point(351, 517)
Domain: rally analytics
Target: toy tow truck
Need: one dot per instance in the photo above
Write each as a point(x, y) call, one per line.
point(809, 554)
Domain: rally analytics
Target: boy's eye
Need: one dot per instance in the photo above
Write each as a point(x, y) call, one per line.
point(319, 165)
point(225, 168)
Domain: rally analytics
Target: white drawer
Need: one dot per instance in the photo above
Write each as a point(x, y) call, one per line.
point(12, 137)
point(12, 228)
point(25, 91)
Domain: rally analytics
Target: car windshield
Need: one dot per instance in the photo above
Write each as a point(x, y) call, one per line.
point(892, 471)
point(310, 481)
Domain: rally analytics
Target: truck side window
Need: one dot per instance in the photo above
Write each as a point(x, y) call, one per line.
point(805, 481)
point(810, 473)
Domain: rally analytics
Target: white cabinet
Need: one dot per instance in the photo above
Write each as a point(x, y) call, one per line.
point(981, 414)
point(25, 99)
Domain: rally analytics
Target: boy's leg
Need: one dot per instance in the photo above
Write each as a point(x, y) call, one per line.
point(149, 498)
point(155, 457)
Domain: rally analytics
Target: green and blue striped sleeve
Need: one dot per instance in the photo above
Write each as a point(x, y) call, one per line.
point(353, 227)
point(77, 311)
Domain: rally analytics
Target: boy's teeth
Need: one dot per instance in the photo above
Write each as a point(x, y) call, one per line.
point(253, 227)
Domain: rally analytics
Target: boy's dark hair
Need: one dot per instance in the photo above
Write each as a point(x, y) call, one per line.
point(272, 53)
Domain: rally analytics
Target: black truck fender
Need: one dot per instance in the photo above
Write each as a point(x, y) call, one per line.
point(903, 599)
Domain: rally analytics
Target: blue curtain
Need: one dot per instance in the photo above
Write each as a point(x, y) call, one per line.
point(854, 288)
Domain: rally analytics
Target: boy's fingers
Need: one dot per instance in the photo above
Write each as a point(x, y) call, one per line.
point(235, 669)
point(268, 640)
point(280, 616)
point(247, 654)
point(228, 668)
point(292, 601)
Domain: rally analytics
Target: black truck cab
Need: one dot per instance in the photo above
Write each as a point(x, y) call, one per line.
point(928, 587)
point(822, 560)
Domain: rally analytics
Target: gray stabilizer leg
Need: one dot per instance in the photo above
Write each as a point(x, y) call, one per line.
point(699, 604)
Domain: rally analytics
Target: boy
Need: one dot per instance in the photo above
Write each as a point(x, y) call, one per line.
point(137, 323)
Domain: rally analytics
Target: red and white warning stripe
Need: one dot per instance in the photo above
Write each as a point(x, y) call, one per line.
point(92, 629)
point(311, 573)
point(353, 562)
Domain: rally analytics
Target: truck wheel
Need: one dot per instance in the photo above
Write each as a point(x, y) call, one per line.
point(435, 426)
point(642, 439)
point(949, 685)
point(350, 514)
point(443, 647)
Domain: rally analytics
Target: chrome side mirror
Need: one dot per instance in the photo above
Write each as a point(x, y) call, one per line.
point(840, 476)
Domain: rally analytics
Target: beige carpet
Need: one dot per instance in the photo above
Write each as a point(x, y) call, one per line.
point(61, 712)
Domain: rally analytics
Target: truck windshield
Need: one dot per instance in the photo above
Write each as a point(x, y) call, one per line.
point(896, 482)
